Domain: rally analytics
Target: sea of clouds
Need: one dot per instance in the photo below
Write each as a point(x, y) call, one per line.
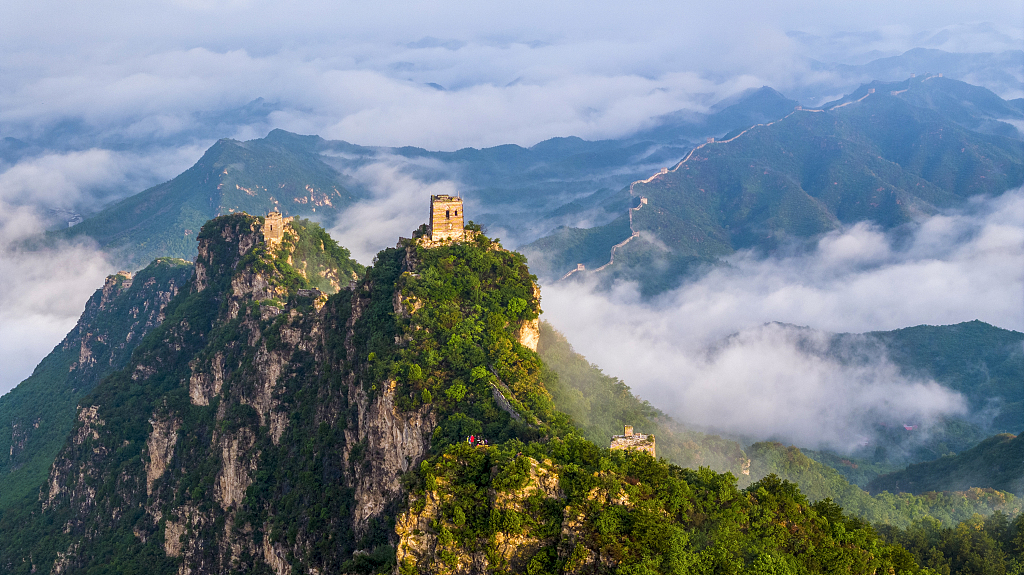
point(102, 100)
point(709, 354)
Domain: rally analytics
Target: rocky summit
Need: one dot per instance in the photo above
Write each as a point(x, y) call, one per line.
point(286, 410)
point(295, 413)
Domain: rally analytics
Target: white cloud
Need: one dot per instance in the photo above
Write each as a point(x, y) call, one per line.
point(43, 291)
point(83, 180)
point(122, 99)
point(359, 73)
point(394, 209)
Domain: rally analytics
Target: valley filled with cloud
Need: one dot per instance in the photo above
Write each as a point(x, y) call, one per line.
point(710, 353)
point(105, 101)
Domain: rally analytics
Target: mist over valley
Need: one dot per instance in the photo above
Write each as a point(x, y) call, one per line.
point(791, 248)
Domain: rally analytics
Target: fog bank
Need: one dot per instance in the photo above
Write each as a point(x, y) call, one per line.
point(771, 380)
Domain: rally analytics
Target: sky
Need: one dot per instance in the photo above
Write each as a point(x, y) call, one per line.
point(108, 97)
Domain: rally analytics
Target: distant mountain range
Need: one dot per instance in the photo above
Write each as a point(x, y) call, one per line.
point(527, 192)
point(997, 462)
point(793, 173)
point(981, 362)
point(282, 172)
point(887, 153)
point(996, 71)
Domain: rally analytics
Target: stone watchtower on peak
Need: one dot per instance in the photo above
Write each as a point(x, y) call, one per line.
point(273, 228)
point(446, 221)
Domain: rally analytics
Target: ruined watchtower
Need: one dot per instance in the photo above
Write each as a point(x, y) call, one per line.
point(446, 218)
point(630, 440)
point(273, 228)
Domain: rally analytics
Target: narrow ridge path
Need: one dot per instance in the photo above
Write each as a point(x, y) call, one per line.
point(643, 200)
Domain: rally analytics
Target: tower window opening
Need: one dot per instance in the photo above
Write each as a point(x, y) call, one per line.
point(447, 213)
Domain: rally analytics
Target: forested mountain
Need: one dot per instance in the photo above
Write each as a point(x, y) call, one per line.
point(895, 507)
point(981, 361)
point(41, 410)
point(280, 408)
point(264, 426)
point(886, 154)
point(997, 71)
point(599, 405)
point(275, 173)
point(527, 192)
point(984, 363)
point(969, 106)
point(996, 463)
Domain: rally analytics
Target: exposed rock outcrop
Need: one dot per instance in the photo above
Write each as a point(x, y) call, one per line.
point(393, 441)
point(160, 447)
point(424, 531)
point(115, 320)
point(529, 334)
point(259, 430)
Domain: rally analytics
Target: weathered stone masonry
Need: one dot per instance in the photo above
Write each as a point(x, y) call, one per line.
point(446, 220)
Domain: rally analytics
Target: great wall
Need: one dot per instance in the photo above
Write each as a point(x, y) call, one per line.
point(643, 200)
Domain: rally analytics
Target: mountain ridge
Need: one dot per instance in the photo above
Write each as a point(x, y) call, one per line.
point(795, 179)
point(264, 426)
point(995, 463)
point(40, 410)
point(231, 176)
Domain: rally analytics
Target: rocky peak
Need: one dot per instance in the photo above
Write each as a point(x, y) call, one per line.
point(222, 243)
point(116, 319)
point(264, 416)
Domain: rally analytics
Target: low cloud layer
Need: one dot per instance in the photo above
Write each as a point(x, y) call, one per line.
point(767, 380)
point(105, 101)
point(87, 180)
point(42, 292)
point(370, 75)
point(397, 205)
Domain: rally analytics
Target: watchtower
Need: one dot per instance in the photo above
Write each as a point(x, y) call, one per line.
point(273, 228)
point(446, 218)
point(635, 441)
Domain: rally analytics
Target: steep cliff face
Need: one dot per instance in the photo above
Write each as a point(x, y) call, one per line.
point(41, 410)
point(401, 424)
point(259, 427)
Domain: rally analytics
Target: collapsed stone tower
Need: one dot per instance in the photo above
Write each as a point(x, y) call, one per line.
point(630, 440)
point(446, 218)
point(273, 228)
